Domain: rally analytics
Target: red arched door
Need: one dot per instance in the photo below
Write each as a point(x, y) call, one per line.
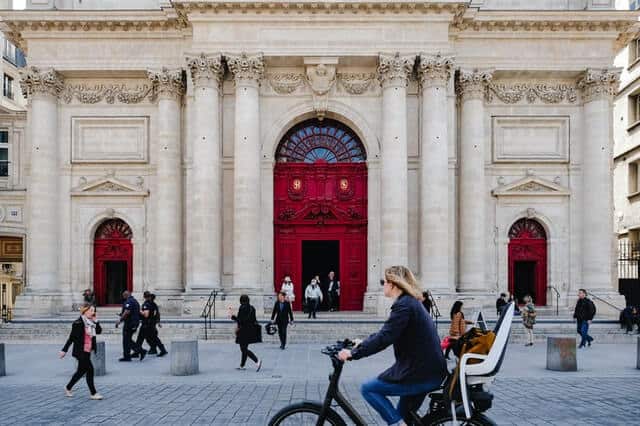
point(112, 262)
point(528, 261)
point(320, 210)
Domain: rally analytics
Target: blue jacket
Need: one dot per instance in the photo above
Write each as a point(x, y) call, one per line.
point(415, 340)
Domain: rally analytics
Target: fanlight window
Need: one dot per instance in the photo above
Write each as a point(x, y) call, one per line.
point(113, 228)
point(327, 140)
point(527, 228)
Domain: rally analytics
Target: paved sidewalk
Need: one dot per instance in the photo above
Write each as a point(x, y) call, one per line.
point(603, 392)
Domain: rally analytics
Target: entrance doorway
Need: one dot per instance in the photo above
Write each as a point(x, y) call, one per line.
point(116, 280)
point(524, 277)
point(318, 258)
point(112, 262)
point(528, 261)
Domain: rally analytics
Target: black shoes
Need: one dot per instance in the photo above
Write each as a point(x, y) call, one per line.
point(125, 360)
point(152, 352)
point(143, 354)
point(162, 353)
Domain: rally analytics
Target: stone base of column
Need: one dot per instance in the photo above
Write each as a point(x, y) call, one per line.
point(44, 304)
point(376, 304)
point(195, 301)
point(258, 298)
point(608, 303)
point(170, 302)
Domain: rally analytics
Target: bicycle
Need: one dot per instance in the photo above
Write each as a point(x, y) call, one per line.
point(321, 413)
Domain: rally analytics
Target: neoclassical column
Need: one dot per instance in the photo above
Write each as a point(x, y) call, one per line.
point(471, 87)
point(598, 88)
point(43, 87)
point(168, 189)
point(434, 73)
point(393, 73)
point(205, 215)
point(247, 72)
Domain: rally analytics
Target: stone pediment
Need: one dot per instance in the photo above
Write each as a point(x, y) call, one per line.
point(108, 186)
point(531, 186)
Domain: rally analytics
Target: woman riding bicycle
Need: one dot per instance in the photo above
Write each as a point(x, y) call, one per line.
point(420, 366)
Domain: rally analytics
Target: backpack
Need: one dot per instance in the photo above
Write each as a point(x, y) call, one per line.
point(473, 341)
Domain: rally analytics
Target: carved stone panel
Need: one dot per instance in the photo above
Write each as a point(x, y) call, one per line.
point(109, 139)
point(530, 139)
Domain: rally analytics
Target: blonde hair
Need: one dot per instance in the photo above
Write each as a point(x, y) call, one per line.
point(402, 277)
point(85, 307)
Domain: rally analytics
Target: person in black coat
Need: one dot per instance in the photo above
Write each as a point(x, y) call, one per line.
point(282, 315)
point(247, 331)
point(83, 337)
point(584, 312)
point(419, 364)
point(501, 302)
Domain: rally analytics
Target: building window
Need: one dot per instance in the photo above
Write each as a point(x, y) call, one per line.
point(634, 109)
point(633, 178)
point(634, 51)
point(7, 86)
point(9, 52)
point(4, 153)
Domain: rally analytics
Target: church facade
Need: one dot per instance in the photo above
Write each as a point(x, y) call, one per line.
point(208, 145)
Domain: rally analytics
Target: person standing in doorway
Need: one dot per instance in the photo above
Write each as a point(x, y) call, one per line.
point(83, 336)
point(584, 312)
point(313, 294)
point(283, 316)
point(287, 287)
point(130, 316)
point(246, 331)
point(334, 292)
point(528, 318)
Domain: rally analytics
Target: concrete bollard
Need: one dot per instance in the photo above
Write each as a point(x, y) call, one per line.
point(98, 359)
point(184, 358)
point(561, 354)
point(637, 355)
point(3, 369)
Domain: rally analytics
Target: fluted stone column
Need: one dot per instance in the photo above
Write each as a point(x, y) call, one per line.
point(471, 87)
point(205, 214)
point(168, 193)
point(247, 72)
point(394, 72)
point(598, 88)
point(434, 73)
point(43, 88)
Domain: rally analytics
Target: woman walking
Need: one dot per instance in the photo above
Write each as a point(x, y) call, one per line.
point(528, 318)
point(457, 329)
point(247, 331)
point(83, 336)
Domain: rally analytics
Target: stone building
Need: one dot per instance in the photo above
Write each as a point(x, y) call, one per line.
point(186, 146)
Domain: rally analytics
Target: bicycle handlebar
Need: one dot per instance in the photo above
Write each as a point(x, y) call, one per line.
point(333, 350)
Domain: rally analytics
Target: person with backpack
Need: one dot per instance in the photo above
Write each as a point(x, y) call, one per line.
point(528, 318)
point(247, 331)
point(130, 316)
point(584, 312)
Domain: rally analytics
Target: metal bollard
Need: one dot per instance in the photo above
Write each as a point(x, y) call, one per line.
point(561, 354)
point(99, 358)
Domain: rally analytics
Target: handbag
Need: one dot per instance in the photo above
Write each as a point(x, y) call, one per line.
point(446, 342)
point(257, 334)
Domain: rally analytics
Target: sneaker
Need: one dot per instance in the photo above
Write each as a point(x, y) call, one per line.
point(125, 360)
point(67, 392)
point(259, 366)
point(96, 396)
point(241, 368)
point(143, 354)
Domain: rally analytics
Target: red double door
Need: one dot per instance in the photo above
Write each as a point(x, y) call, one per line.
point(528, 269)
point(112, 262)
point(320, 225)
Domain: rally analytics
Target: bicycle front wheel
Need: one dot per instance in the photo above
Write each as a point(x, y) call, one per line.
point(304, 414)
point(445, 419)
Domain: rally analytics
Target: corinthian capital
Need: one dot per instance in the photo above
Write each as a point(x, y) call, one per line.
point(206, 70)
point(394, 70)
point(435, 70)
point(35, 81)
point(472, 84)
point(168, 83)
point(246, 68)
point(599, 84)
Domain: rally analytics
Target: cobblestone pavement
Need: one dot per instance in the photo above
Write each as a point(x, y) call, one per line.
point(603, 392)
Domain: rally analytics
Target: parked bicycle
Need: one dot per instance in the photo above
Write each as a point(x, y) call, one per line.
point(321, 413)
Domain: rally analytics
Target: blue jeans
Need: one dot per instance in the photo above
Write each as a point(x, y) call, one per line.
point(583, 329)
point(375, 392)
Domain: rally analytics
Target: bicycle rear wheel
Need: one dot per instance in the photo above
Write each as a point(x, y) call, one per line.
point(304, 414)
point(444, 419)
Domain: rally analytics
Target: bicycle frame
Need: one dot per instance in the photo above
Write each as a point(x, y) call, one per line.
point(333, 393)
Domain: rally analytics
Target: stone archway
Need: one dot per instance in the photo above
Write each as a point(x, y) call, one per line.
point(113, 261)
point(528, 260)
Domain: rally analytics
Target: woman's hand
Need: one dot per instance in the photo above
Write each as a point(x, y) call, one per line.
point(62, 354)
point(344, 355)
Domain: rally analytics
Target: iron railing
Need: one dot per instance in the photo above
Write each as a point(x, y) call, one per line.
point(209, 310)
point(557, 294)
point(595, 296)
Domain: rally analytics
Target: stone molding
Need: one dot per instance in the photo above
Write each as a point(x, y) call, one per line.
point(285, 83)
point(321, 79)
point(246, 68)
point(434, 70)
point(206, 70)
point(471, 84)
point(169, 84)
point(108, 92)
point(109, 186)
point(34, 81)
point(356, 83)
point(395, 70)
point(531, 186)
point(599, 84)
point(548, 93)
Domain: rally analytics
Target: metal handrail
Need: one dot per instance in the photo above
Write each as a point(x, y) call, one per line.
point(210, 307)
point(595, 296)
point(557, 299)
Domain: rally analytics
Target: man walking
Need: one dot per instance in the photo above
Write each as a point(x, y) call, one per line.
point(283, 316)
point(334, 292)
point(147, 314)
point(584, 313)
point(313, 294)
point(130, 316)
point(155, 343)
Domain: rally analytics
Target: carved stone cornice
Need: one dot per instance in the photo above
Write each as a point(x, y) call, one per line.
point(285, 83)
point(394, 70)
point(169, 84)
point(471, 84)
point(434, 70)
point(356, 83)
point(599, 84)
point(246, 68)
point(548, 93)
point(109, 93)
point(206, 70)
point(34, 81)
point(558, 22)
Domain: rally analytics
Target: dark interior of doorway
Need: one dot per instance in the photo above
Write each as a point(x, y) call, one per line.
point(524, 280)
point(116, 280)
point(318, 258)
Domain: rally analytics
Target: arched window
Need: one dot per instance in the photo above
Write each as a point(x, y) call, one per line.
point(113, 229)
point(527, 228)
point(326, 140)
